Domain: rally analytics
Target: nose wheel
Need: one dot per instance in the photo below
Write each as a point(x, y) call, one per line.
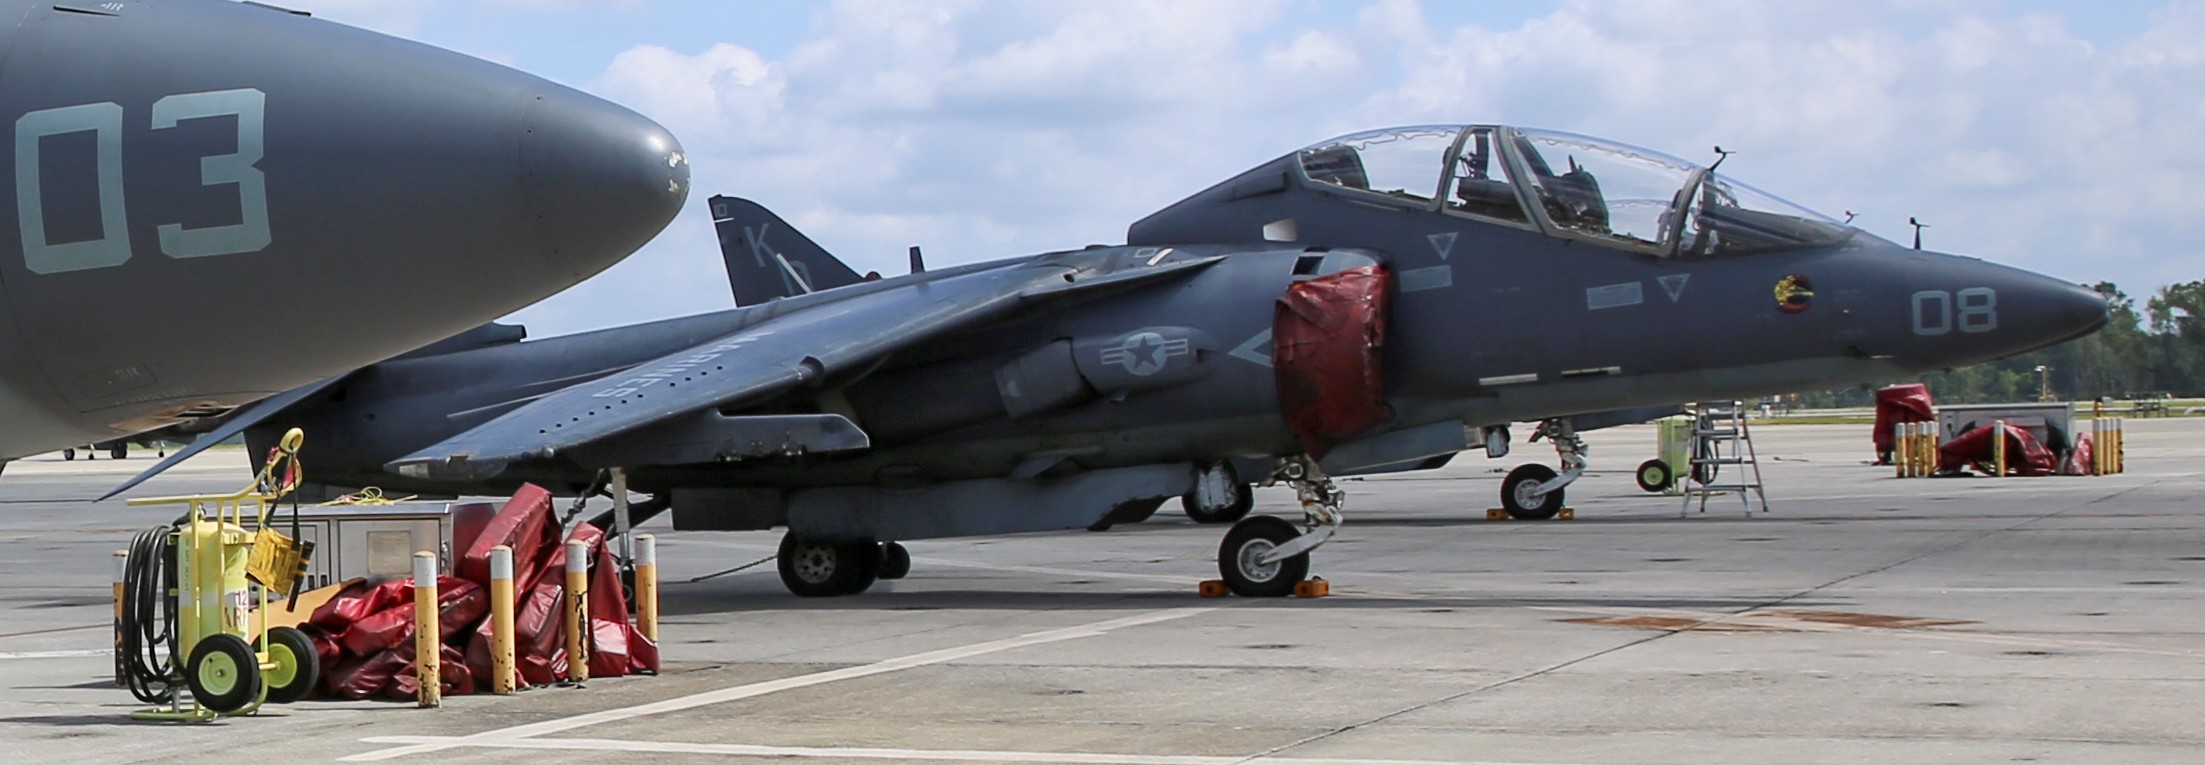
point(1534, 492)
point(813, 569)
point(1265, 556)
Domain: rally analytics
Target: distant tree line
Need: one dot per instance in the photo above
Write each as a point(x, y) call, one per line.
point(2156, 352)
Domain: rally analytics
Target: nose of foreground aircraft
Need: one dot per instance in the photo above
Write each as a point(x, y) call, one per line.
point(598, 178)
point(1961, 310)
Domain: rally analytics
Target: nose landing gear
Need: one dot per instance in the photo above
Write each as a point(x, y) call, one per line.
point(1534, 492)
point(1265, 556)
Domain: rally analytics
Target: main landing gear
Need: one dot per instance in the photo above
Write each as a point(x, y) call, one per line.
point(1534, 492)
point(1265, 556)
point(827, 569)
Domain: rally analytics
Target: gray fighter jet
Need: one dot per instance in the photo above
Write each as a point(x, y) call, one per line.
point(1380, 301)
point(215, 201)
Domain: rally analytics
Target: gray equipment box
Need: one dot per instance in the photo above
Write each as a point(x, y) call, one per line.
point(371, 541)
point(2052, 423)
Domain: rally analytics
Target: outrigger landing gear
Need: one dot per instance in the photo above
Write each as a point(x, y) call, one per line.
point(1265, 556)
point(1534, 492)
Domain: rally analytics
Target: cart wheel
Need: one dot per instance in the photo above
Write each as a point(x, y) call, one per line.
point(1655, 476)
point(298, 668)
point(223, 673)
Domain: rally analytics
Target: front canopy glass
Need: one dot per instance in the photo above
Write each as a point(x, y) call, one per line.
point(1582, 187)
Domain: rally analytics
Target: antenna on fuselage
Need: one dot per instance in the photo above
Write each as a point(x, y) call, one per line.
point(1720, 155)
point(918, 262)
point(1918, 226)
point(1849, 214)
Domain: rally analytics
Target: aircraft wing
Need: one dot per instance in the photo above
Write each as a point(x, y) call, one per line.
point(767, 358)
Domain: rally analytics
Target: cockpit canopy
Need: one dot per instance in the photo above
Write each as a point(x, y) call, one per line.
point(1569, 185)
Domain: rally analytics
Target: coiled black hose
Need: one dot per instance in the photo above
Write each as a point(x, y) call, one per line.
point(146, 654)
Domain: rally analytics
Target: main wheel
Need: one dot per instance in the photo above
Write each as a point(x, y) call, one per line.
point(1518, 495)
point(1655, 476)
point(895, 561)
point(818, 569)
point(120, 452)
point(298, 669)
point(1244, 500)
point(1239, 559)
point(223, 673)
point(69, 454)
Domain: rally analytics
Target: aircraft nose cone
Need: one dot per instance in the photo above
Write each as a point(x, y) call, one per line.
point(1964, 311)
point(598, 178)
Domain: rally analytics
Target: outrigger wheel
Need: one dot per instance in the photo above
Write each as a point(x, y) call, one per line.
point(895, 561)
point(298, 669)
point(1239, 559)
point(223, 673)
point(820, 569)
point(1520, 497)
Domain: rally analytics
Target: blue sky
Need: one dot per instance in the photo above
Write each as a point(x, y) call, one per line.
point(2060, 137)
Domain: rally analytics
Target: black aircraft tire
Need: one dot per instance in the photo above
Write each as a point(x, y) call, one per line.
point(298, 668)
point(822, 570)
point(1249, 540)
point(1244, 500)
point(69, 454)
point(895, 561)
point(120, 452)
point(1655, 476)
point(1515, 493)
point(223, 673)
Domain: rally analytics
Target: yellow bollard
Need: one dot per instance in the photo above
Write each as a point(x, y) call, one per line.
point(646, 586)
point(2120, 444)
point(1998, 449)
point(1900, 461)
point(122, 569)
point(502, 679)
point(578, 611)
point(428, 647)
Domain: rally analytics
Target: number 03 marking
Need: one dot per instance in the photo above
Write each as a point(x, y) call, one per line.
point(1934, 314)
point(105, 122)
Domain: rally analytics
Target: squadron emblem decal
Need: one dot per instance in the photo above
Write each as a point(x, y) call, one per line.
point(1794, 294)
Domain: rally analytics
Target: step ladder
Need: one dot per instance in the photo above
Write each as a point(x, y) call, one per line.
point(1722, 448)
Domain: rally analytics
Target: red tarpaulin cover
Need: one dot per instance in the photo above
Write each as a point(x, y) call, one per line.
point(1326, 337)
point(365, 634)
point(2024, 453)
point(1898, 405)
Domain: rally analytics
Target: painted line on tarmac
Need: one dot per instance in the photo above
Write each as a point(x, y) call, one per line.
point(924, 755)
point(7, 655)
point(1711, 621)
point(507, 736)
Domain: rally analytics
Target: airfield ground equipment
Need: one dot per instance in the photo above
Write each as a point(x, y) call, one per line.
point(1722, 439)
point(1673, 449)
point(186, 616)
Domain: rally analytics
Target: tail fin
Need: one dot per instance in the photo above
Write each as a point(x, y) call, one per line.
point(767, 258)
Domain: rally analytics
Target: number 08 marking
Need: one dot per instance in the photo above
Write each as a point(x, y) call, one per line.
point(1934, 312)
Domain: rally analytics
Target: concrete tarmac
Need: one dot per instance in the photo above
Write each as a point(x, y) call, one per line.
point(1864, 619)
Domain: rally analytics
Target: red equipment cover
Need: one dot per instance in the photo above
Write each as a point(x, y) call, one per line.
point(525, 525)
point(2024, 454)
point(2079, 459)
point(365, 676)
point(357, 601)
point(1899, 404)
point(1326, 336)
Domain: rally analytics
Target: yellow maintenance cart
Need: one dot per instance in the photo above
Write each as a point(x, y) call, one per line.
point(189, 592)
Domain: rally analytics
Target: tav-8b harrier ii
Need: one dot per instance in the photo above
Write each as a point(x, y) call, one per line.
point(1373, 302)
point(216, 201)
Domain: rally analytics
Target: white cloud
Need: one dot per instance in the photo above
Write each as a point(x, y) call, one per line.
point(986, 130)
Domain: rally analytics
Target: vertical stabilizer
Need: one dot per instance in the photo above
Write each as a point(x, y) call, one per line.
point(767, 258)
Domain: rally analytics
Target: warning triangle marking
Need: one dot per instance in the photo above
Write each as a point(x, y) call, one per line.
point(1443, 244)
point(1674, 285)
